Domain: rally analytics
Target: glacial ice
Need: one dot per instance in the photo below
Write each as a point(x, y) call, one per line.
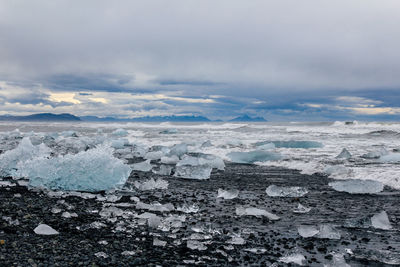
point(169, 131)
point(170, 160)
point(24, 152)
point(392, 157)
point(307, 230)
point(44, 229)
point(143, 166)
point(375, 154)
point(151, 184)
point(281, 191)
point(337, 261)
point(163, 170)
point(356, 186)
point(178, 150)
point(119, 143)
point(227, 194)
point(196, 245)
point(154, 155)
point(328, 232)
point(381, 221)
point(241, 211)
point(336, 170)
point(253, 156)
point(120, 132)
point(200, 172)
point(296, 258)
point(93, 170)
point(293, 144)
point(345, 154)
point(159, 243)
point(267, 146)
point(155, 206)
point(188, 208)
point(301, 209)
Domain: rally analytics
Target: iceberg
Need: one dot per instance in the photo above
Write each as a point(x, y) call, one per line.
point(381, 221)
point(253, 156)
point(307, 231)
point(296, 258)
point(356, 186)
point(143, 166)
point(159, 243)
point(345, 154)
point(241, 211)
point(151, 184)
point(189, 208)
point(24, 152)
point(293, 144)
point(227, 194)
point(200, 172)
point(93, 170)
point(44, 229)
point(281, 191)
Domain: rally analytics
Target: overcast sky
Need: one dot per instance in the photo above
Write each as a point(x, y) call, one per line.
point(283, 60)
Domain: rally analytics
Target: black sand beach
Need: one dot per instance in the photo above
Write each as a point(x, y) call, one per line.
point(124, 242)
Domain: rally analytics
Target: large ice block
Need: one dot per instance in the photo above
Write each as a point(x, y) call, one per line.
point(356, 186)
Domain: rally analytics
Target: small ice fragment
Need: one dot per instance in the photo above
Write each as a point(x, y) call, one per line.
point(155, 206)
point(236, 240)
point(356, 186)
point(307, 231)
point(256, 250)
point(119, 143)
point(195, 245)
point(227, 194)
point(143, 166)
point(337, 261)
point(159, 243)
point(301, 209)
point(103, 242)
point(128, 253)
point(66, 214)
point(296, 258)
point(200, 172)
point(381, 221)
point(240, 211)
point(253, 156)
point(206, 144)
point(189, 208)
point(154, 221)
point(151, 184)
point(281, 191)
point(101, 255)
point(328, 232)
point(44, 229)
point(345, 154)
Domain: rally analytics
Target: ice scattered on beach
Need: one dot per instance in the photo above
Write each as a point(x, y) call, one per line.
point(324, 231)
point(296, 258)
point(381, 221)
point(196, 245)
point(293, 144)
point(307, 230)
point(301, 209)
point(93, 170)
point(199, 172)
point(337, 261)
point(151, 184)
point(242, 211)
point(44, 229)
point(143, 166)
point(281, 191)
point(356, 186)
point(227, 194)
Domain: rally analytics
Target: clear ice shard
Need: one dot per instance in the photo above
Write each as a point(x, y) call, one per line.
point(345, 154)
point(381, 221)
point(155, 206)
point(301, 209)
point(296, 258)
point(163, 170)
point(281, 191)
point(253, 156)
point(143, 166)
point(307, 230)
point(151, 184)
point(227, 194)
point(93, 170)
point(356, 186)
point(44, 229)
point(200, 172)
point(328, 232)
point(241, 211)
point(25, 151)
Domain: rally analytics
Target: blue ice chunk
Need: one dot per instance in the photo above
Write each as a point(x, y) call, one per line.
point(92, 170)
point(292, 144)
point(253, 156)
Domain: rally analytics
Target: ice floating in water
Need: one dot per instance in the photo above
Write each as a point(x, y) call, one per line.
point(120, 132)
point(381, 221)
point(281, 191)
point(143, 166)
point(169, 131)
point(151, 184)
point(301, 209)
point(200, 172)
point(23, 152)
point(241, 211)
point(392, 157)
point(345, 154)
point(375, 154)
point(293, 144)
point(356, 186)
point(307, 230)
point(267, 146)
point(253, 156)
point(227, 194)
point(296, 258)
point(44, 229)
point(93, 170)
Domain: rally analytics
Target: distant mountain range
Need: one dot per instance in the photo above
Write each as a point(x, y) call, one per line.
point(70, 117)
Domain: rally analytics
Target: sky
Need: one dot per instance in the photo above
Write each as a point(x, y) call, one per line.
point(286, 60)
